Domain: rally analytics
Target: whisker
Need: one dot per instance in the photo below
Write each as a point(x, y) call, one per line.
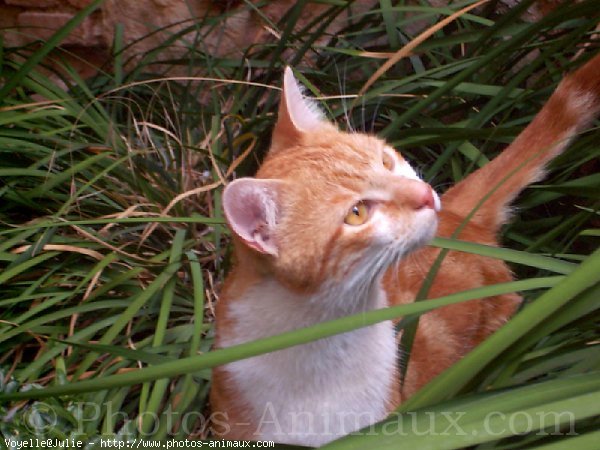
point(342, 90)
point(362, 112)
point(375, 112)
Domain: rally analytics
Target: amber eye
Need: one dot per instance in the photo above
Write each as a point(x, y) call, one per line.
point(388, 161)
point(357, 215)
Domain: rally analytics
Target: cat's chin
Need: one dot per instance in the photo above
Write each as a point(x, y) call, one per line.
point(425, 230)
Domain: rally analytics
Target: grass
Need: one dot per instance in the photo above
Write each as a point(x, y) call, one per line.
point(113, 245)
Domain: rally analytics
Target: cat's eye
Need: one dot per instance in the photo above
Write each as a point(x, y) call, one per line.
point(357, 215)
point(387, 160)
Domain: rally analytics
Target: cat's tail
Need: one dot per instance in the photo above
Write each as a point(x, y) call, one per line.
point(570, 109)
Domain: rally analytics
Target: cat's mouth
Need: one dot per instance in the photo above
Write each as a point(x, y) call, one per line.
point(427, 222)
point(423, 231)
point(426, 235)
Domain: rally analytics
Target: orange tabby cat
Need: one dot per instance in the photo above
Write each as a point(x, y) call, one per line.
point(314, 234)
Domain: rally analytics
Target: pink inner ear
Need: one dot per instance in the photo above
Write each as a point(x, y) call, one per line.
point(303, 112)
point(250, 208)
point(246, 213)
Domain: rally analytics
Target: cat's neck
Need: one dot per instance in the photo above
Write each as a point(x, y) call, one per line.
point(263, 295)
point(293, 309)
point(338, 384)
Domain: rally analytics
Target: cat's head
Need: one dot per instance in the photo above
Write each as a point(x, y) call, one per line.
point(326, 205)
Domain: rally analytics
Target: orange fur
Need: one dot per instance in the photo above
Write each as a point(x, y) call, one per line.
point(317, 173)
point(571, 108)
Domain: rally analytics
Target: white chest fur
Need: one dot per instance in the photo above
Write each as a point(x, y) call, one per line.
point(313, 393)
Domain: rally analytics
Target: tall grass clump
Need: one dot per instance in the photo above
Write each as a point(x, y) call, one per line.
point(113, 245)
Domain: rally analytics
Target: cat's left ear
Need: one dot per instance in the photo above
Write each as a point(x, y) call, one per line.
point(251, 207)
point(297, 114)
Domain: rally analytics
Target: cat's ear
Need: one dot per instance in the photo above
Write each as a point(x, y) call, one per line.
point(297, 114)
point(252, 210)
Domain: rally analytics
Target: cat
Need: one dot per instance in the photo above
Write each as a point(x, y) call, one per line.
point(337, 223)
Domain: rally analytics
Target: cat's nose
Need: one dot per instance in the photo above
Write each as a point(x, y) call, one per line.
point(413, 194)
point(424, 198)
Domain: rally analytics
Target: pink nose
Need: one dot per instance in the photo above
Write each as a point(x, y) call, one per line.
point(413, 194)
point(425, 198)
